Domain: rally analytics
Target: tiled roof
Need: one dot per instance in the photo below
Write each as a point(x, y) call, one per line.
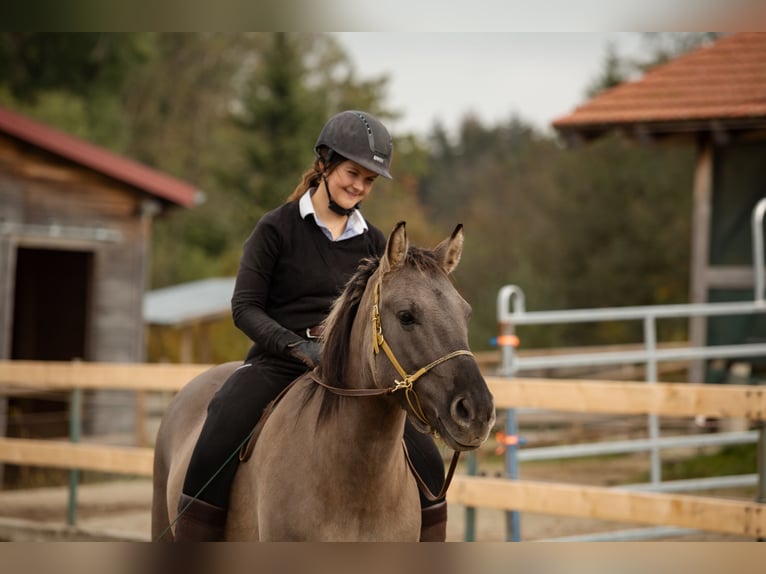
point(723, 82)
point(89, 155)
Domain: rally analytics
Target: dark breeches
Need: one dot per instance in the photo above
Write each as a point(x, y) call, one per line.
point(233, 412)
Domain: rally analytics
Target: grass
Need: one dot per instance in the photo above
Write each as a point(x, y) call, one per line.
point(729, 460)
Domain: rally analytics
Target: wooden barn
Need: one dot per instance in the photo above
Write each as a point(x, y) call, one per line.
point(75, 231)
point(713, 98)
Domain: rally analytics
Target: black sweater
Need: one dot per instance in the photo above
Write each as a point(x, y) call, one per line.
point(289, 275)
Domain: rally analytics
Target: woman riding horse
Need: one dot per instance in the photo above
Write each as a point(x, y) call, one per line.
point(395, 349)
point(293, 266)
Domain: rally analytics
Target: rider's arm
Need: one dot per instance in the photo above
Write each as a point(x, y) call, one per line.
point(251, 292)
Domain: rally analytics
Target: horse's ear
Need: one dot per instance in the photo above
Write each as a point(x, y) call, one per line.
point(396, 248)
point(449, 250)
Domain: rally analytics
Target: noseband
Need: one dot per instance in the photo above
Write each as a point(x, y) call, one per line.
point(406, 383)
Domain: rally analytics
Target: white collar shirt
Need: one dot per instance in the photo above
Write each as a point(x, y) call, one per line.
point(356, 225)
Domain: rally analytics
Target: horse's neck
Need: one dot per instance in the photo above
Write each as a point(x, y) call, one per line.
point(369, 430)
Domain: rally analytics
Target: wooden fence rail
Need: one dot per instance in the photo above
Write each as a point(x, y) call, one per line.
point(619, 397)
point(55, 375)
point(665, 399)
point(128, 460)
point(703, 513)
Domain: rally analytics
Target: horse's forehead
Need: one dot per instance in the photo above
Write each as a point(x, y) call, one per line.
point(428, 284)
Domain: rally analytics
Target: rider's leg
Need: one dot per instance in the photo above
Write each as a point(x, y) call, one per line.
point(231, 416)
point(428, 463)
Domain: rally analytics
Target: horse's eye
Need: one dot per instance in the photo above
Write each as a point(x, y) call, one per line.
point(406, 318)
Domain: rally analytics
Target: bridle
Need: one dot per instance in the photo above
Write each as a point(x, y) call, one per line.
point(379, 342)
point(406, 383)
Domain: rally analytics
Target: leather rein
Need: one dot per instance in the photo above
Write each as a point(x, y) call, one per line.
point(406, 383)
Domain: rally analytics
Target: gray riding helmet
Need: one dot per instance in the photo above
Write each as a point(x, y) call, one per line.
point(360, 137)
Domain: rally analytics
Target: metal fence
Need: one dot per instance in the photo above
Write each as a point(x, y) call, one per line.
point(511, 313)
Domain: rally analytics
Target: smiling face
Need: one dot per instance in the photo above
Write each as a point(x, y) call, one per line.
point(350, 183)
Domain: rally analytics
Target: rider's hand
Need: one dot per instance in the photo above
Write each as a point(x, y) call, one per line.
point(307, 352)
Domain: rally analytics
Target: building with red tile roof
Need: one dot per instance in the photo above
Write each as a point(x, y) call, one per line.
point(715, 98)
point(718, 88)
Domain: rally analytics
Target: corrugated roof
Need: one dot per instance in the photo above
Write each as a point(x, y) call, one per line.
point(91, 156)
point(178, 305)
point(724, 81)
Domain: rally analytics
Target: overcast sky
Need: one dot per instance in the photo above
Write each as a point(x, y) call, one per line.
point(537, 76)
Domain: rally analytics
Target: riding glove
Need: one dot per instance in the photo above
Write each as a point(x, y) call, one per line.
point(308, 352)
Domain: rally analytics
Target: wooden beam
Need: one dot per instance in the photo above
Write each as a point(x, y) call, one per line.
point(730, 277)
point(711, 514)
point(59, 375)
point(702, 208)
point(62, 454)
point(668, 399)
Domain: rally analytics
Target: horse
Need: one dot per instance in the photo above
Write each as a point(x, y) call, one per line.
point(329, 463)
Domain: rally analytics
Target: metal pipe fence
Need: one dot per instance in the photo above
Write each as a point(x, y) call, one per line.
point(511, 313)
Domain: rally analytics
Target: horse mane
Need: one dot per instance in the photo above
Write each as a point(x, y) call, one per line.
point(338, 324)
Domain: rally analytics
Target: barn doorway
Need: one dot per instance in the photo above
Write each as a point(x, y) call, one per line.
point(50, 308)
point(50, 323)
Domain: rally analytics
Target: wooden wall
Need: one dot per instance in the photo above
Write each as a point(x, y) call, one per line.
point(47, 203)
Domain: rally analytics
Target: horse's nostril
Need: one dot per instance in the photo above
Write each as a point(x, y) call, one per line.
point(461, 410)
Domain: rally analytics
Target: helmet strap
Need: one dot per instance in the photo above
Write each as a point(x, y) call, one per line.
point(334, 206)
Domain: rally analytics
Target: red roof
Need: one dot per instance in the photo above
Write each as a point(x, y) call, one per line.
point(91, 156)
point(723, 82)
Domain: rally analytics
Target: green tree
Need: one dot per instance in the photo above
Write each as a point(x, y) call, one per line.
point(298, 82)
point(32, 63)
point(615, 70)
point(397, 200)
point(621, 219)
point(492, 179)
point(179, 106)
point(262, 102)
point(74, 80)
point(280, 117)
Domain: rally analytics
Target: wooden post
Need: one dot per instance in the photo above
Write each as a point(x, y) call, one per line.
point(3, 431)
point(205, 352)
point(700, 256)
point(75, 424)
point(186, 355)
point(141, 418)
point(470, 511)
